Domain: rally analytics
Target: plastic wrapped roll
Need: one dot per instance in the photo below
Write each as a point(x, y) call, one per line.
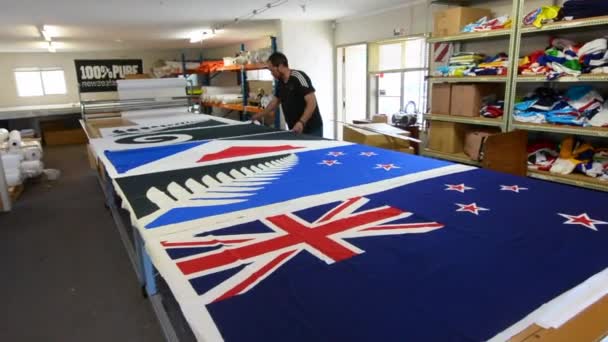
point(3, 135)
point(14, 140)
point(14, 177)
point(32, 153)
point(32, 168)
point(11, 161)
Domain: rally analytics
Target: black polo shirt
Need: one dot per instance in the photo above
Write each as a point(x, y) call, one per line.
point(291, 94)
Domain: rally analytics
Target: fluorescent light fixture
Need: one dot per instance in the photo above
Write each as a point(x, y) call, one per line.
point(46, 33)
point(199, 36)
point(52, 47)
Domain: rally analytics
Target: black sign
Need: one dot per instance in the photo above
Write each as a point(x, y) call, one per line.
point(99, 75)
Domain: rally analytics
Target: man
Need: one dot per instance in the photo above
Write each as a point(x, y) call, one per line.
point(296, 95)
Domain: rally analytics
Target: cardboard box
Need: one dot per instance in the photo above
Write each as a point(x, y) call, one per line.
point(441, 98)
point(361, 136)
point(451, 21)
point(466, 99)
point(474, 141)
point(447, 137)
point(380, 118)
point(62, 132)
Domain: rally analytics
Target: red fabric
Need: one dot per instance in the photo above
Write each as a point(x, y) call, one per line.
point(241, 151)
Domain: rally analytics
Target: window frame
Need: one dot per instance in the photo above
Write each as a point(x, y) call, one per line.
point(402, 71)
point(39, 71)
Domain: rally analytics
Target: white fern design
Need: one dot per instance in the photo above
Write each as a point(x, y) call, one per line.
point(224, 189)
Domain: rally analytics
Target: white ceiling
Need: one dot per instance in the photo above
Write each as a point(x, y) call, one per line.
point(94, 25)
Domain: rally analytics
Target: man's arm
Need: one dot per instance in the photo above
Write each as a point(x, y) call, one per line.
point(311, 104)
point(272, 106)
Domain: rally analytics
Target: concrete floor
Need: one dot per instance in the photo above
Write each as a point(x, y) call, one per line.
point(65, 275)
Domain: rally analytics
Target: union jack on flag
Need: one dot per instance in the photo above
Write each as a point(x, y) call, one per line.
point(255, 256)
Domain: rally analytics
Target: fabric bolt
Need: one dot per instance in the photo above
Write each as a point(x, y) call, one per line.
point(541, 156)
point(578, 9)
point(594, 46)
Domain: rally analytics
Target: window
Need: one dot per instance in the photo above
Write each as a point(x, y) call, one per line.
point(40, 82)
point(405, 81)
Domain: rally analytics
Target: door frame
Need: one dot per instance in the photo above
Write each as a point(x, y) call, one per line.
point(337, 82)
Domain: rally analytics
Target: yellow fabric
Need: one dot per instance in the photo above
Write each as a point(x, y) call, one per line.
point(546, 13)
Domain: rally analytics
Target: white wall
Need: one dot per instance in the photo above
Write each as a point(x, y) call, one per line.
point(309, 46)
point(412, 18)
point(10, 61)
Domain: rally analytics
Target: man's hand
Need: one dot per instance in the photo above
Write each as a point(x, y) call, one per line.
point(298, 128)
point(257, 117)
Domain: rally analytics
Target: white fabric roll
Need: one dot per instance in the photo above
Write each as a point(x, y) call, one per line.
point(164, 112)
point(32, 153)
point(14, 178)
point(3, 135)
point(11, 161)
point(32, 168)
point(14, 139)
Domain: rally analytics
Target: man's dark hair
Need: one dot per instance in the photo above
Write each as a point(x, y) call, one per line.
point(277, 59)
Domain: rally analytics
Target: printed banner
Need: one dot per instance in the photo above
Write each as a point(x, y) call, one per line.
point(100, 75)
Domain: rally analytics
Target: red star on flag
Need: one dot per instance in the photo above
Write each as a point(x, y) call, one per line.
point(583, 220)
point(514, 188)
point(330, 162)
point(336, 154)
point(470, 208)
point(460, 188)
point(387, 167)
point(368, 154)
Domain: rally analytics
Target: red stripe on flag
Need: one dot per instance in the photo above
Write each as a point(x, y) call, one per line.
point(255, 276)
point(201, 243)
point(242, 151)
point(406, 226)
point(339, 209)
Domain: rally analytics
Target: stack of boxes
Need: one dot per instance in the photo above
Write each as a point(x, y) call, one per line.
point(459, 100)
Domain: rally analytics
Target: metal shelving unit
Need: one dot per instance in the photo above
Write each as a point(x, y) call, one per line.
point(244, 108)
point(468, 79)
point(565, 25)
point(562, 129)
point(471, 36)
point(511, 81)
point(462, 38)
point(572, 179)
point(456, 157)
point(564, 79)
point(465, 119)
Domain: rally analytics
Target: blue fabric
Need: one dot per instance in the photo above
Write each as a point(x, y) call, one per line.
point(126, 160)
point(309, 178)
point(468, 281)
point(576, 92)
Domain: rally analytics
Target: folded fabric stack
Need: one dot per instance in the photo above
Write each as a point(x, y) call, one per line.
point(581, 157)
point(460, 63)
point(565, 57)
point(594, 56)
point(490, 66)
point(579, 106)
point(493, 109)
point(573, 157)
point(475, 64)
point(485, 24)
point(541, 156)
point(577, 9)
